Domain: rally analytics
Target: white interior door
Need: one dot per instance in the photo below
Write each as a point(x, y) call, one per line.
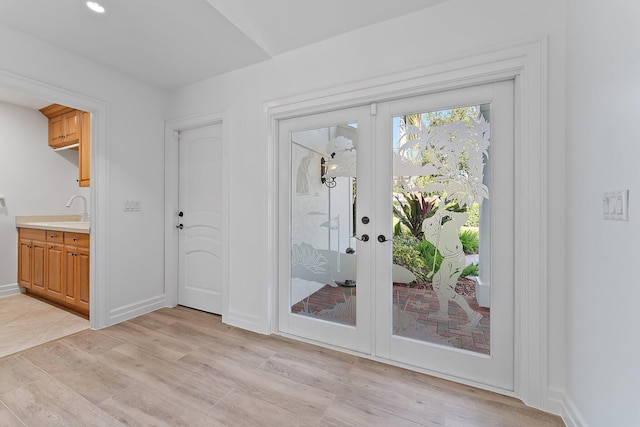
point(200, 204)
point(374, 202)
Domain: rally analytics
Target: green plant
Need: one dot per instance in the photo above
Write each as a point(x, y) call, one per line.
point(469, 239)
point(406, 254)
point(411, 210)
point(474, 215)
point(428, 253)
point(470, 270)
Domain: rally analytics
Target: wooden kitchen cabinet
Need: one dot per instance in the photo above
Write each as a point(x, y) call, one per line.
point(77, 267)
point(31, 259)
point(65, 125)
point(54, 273)
point(69, 127)
point(55, 265)
point(84, 152)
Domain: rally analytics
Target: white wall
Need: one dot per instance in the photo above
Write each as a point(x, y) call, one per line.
point(603, 106)
point(131, 150)
point(34, 179)
point(449, 29)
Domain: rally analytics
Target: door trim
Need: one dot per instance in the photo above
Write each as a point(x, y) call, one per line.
point(526, 64)
point(171, 193)
point(99, 191)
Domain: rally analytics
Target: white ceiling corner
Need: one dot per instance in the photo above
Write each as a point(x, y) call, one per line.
point(170, 43)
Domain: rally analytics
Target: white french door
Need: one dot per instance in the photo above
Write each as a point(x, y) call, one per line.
point(320, 256)
point(396, 231)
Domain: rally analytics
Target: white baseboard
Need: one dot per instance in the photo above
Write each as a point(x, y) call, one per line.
point(139, 308)
point(570, 414)
point(10, 289)
point(245, 321)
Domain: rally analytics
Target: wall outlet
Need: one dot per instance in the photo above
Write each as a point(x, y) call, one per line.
point(615, 205)
point(131, 205)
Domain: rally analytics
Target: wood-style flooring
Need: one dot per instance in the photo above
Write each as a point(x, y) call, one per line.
point(182, 367)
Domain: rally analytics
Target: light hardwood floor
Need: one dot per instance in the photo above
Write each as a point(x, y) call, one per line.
point(181, 367)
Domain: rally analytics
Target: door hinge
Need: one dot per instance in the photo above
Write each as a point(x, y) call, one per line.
point(374, 109)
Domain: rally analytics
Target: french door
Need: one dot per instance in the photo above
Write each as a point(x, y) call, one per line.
point(396, 231)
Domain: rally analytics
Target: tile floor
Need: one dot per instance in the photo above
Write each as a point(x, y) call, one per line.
point(26, 322)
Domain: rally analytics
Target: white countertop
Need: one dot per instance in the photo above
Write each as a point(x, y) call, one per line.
point(54, 222)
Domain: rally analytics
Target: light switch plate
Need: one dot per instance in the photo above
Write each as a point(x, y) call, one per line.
point(132, 205)
point(615, 205)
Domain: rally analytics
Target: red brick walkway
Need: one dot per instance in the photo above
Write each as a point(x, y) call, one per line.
point(414, 305)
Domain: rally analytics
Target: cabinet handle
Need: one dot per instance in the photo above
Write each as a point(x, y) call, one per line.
point(75, 239)
point(51, 247)
point(53, 236)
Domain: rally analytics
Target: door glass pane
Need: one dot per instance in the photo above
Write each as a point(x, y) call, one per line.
point(323, 197)
point(441, 227)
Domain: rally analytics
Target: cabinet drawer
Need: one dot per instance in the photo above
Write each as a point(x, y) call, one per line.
point(55, 236)
point(76, 239)
point(29, 233)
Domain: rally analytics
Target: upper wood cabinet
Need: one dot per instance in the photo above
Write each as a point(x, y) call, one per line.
point(71, 127)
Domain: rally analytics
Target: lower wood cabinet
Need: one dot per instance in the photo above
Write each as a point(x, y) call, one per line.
point(55, 265)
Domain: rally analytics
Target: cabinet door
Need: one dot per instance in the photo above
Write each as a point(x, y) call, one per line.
point(25, 263)
point(77, 276)
point(70, 292)
point(56, 131)
point(84, 153)
point(54, 285)
point(82, 275)
point(38, 263)
point(72, 127)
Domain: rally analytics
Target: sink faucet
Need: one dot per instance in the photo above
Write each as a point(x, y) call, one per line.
point(85, 215)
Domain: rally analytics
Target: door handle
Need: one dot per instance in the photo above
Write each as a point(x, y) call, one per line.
point(364, 238)
point(382, 239)
point(180, 226)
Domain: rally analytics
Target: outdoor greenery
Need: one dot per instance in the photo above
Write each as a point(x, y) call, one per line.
point(415, 253)
point(410, 210)
point(406, 253)
point(453, 143)
point(469, 238)
point(470, 270)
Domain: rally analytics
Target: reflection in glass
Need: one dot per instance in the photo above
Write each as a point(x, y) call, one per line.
point(323, 196)
point(441, 210)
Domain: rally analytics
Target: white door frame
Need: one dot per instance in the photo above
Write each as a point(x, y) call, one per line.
point(100, 183)
point(171, 193)
point(526, 63)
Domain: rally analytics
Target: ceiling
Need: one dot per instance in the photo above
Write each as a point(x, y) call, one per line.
point(169, 43)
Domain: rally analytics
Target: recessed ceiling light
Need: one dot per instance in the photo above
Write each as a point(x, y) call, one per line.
point(95, 7)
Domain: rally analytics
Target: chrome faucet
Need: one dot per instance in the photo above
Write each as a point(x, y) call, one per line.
point(85, 215)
